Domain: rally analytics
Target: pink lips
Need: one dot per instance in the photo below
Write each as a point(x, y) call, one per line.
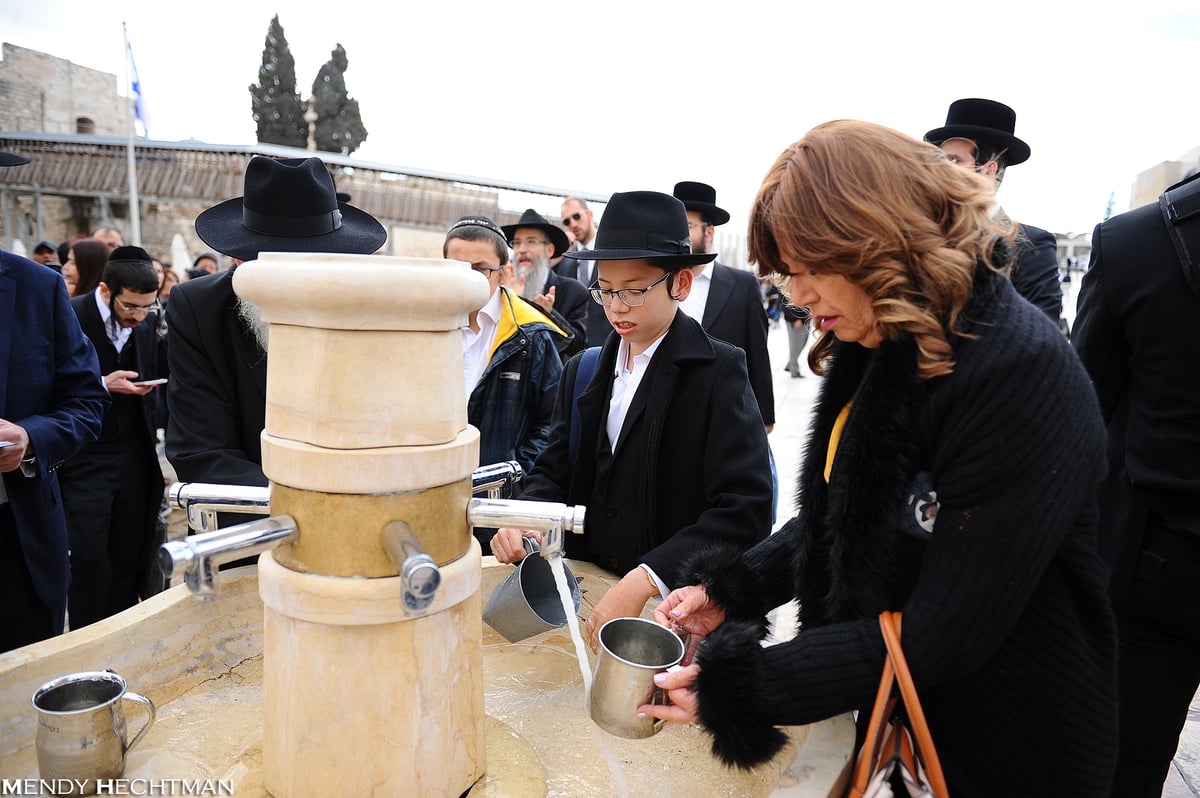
point(825, 322)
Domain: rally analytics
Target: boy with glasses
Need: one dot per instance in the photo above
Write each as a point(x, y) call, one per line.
point(112, 489)
point(671, 452)
point(511, 365)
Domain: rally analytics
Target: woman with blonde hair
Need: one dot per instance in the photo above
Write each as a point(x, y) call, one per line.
point(942, 478)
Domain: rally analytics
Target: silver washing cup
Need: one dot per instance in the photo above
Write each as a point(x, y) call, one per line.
point(81, 729)
point(632, 651)
point(527, 603)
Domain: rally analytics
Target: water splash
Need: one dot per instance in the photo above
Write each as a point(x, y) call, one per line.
point(564, 593)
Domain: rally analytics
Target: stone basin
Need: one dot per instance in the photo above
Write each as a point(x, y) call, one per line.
point(201, 664)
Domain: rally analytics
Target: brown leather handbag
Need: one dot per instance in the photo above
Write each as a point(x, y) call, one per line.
point(898, 750)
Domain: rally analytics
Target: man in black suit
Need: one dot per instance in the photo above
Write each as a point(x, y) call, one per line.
point(978, 135)
point(534, 242)
point(112, 489)
point(51, 404)
point(727, 302)
point(217, 350)
point(1135, 333)
point(577, 217)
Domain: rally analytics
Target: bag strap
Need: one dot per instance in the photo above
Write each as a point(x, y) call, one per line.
point(895, 670)
point(583, 377)
point(889, 622)
point(1180, 208)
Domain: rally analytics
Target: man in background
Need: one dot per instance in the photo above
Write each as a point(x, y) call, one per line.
point(577, 218)
point(978, 135)
point(1135, 333)
point(534, 242)
point(109, 235)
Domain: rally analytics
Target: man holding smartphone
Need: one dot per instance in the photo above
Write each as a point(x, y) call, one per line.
point(112, 489)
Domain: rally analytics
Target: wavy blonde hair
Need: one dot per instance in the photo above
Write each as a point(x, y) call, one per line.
point(891, 214)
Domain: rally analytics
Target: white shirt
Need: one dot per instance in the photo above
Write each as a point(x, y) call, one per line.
point(584, 271)
point(625, 385)
point(477, 346)
point(697, 299)
point(119, 335)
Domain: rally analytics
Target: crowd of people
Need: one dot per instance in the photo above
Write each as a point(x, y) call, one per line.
point(1031, 504)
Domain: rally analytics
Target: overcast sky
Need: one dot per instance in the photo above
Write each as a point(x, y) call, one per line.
point(618, 95)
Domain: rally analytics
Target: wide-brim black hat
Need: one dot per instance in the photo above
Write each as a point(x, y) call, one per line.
point(11, 159)
point(644, 224)
point(289, 205)
point(983, 120)
point(702, 198)
point(534, 220)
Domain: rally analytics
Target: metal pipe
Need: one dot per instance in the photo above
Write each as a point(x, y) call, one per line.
point(198, 557)
point(497, 479)
point(202, 501)
point(552, 519)
point(419, 574)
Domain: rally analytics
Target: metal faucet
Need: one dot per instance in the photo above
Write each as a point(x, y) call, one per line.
point(198, 557)
point(552, 519)
point(498, 479)
point(419, 574)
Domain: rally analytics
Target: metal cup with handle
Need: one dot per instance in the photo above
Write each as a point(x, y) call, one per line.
point(81, 730)
point(527, 602)
point(632, 651)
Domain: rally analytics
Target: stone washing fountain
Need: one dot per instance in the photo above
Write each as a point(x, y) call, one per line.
point(353, 660)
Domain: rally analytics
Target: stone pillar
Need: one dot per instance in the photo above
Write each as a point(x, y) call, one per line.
point(366, 425)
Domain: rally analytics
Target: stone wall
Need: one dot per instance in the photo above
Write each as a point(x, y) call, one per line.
point(40, 93)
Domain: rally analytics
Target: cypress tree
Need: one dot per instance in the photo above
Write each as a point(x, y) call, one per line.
point(274, 101)
point(339, 124)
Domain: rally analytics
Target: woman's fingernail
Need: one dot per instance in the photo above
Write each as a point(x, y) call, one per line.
point(677, 613)
point(643, 715)
point(659, 678)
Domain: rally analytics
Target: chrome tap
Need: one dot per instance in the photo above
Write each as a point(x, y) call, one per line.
point(498, 479)
point(552, 519)
point(419, 574)
point(198, 557)
point(202, 501)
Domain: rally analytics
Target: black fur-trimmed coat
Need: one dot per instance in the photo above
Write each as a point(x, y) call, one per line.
point(967, 501)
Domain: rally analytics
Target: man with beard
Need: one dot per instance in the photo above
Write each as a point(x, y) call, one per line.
point(577, 218)
point(216, 345)
point(727, 302)
point(534, 242)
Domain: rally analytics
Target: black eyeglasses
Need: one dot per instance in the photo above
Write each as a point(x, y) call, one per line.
point(138, 309)
point(573, 217)
point(630, 297)
point(486, 270)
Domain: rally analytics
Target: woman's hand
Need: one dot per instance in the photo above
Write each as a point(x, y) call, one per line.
point(684, 707)
point(625, 599)
point(689, 610)
point(507, 545)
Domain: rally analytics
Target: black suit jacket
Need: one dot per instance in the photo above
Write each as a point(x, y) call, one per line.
point(1035, 269)
point(1135, 332)
point(218, 390)
point(571, 301)
point(735, 314)
point(691, 464)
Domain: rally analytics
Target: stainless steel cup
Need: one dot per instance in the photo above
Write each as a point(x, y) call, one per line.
point(632, 651)
point(527, 603)
point(81, 729)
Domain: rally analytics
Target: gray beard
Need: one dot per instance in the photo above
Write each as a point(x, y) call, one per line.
point(535, 277)
point(251, 316)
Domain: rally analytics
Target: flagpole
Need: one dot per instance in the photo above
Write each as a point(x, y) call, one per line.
point(134, 216)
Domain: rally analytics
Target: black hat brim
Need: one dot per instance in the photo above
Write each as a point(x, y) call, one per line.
point(708, 211)
point(655, 257)
point(1016, 151)
point(9, 159)
point(221, 228)
point(557, 237)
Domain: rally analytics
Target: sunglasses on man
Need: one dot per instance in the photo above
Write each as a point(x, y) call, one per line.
point(568, 219)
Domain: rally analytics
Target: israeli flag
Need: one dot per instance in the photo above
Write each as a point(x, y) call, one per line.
point(141, 119)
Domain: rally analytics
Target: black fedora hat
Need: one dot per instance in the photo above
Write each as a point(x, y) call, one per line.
point(702, 198)
point(289, 206)
point(533, 219)
point(11, 159)
point(982, 120)
point(644, 224)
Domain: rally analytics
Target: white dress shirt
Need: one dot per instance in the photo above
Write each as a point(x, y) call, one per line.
point(118, 333)
point(697, 298)
point(477, 346)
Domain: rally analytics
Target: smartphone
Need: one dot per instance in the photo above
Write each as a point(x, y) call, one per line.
point(161, 381)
